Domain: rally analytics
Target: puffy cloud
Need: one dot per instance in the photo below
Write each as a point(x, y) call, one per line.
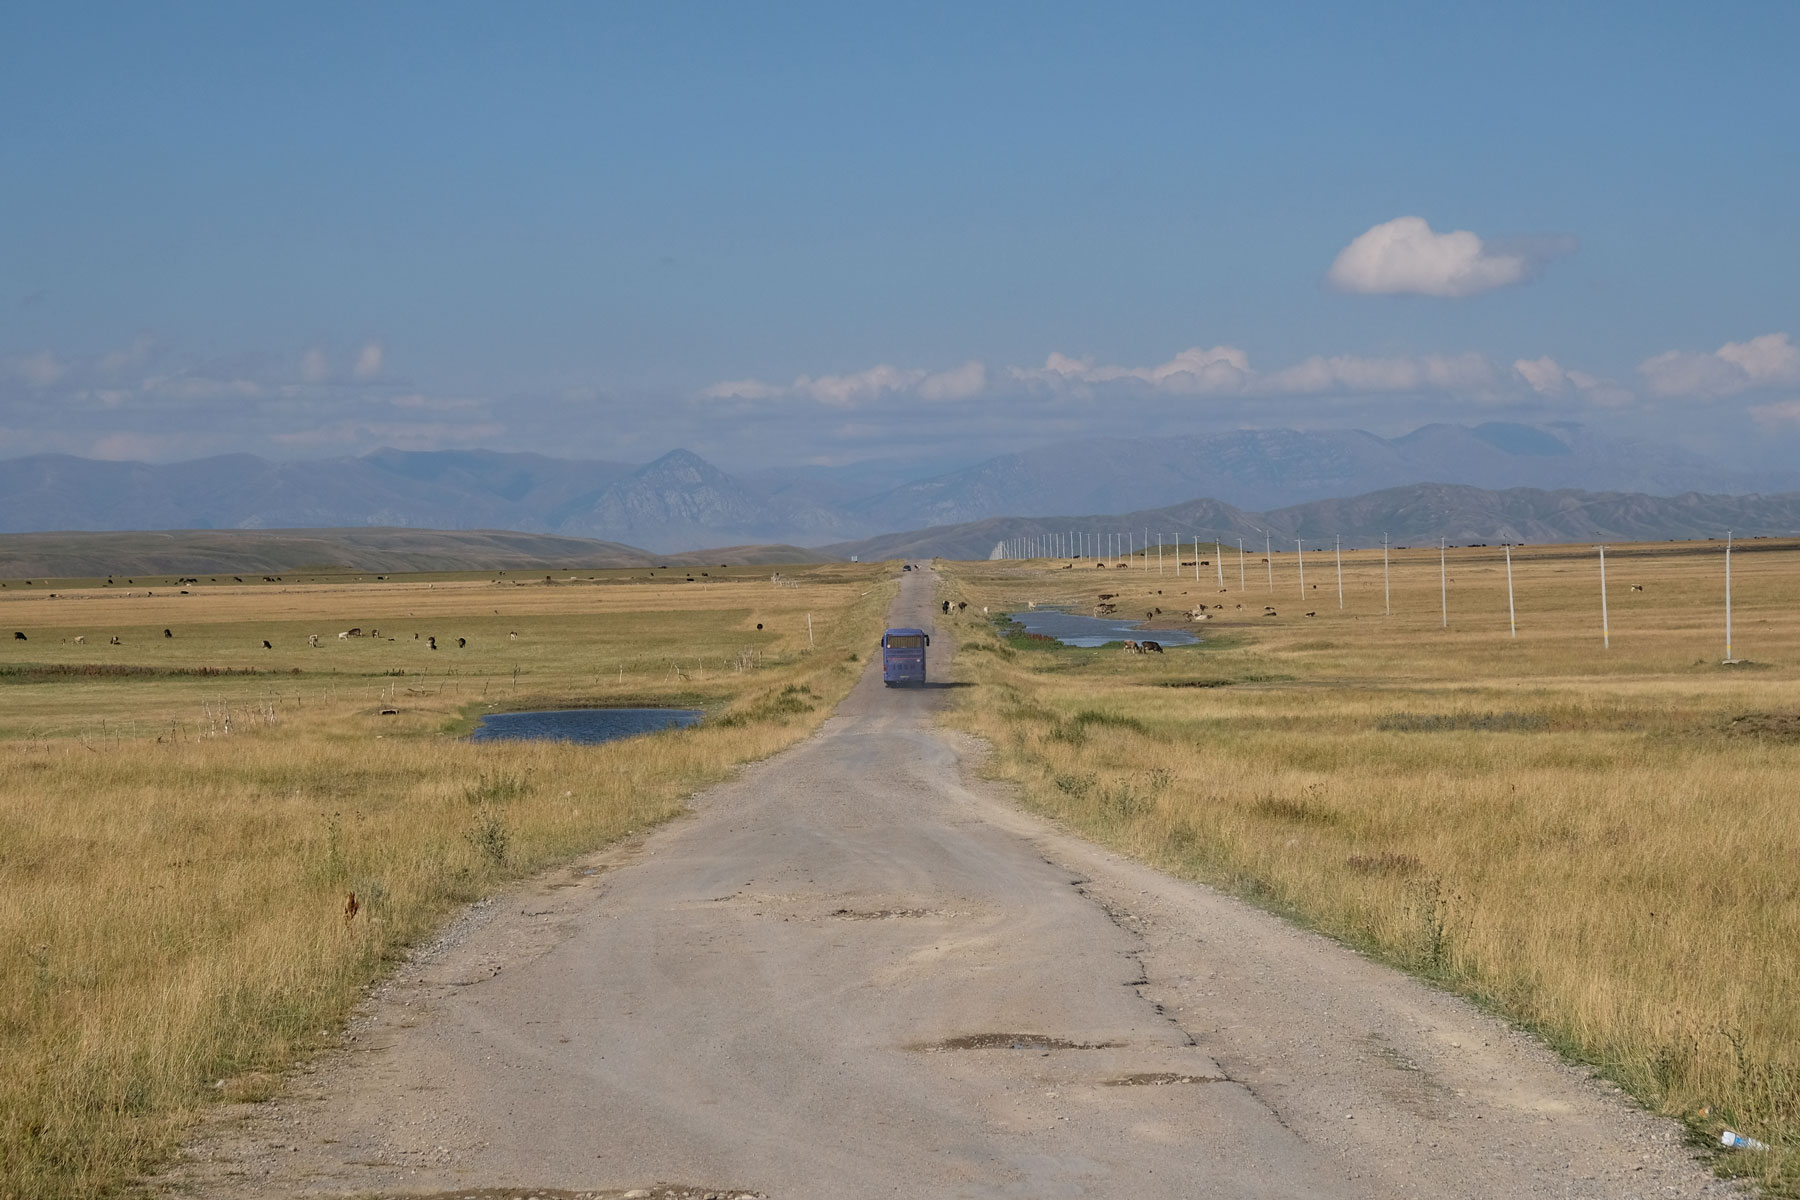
point(847, 391)
point(862, 387)
point(1406, 256)
point(1781, 412)
point(958, 383)
point(134, 355)
point(41, 369)
point(1548, 377)
point(368, 361)
point(1194, 371)
point(1767, 361)
point(1353, 373)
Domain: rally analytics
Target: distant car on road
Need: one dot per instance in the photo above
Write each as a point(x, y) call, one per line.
point(903, 656)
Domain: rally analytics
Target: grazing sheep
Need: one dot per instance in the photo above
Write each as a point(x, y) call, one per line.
point(19, 637)
point(312, 639)
point(1637, 587)
point(115, 640)
point(343, 636)
point(1312, 614)
point(80, 641)
point(513, 637)
point(356, 631)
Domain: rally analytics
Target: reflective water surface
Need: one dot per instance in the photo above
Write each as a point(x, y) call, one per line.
point(1072, 629)
point(584, 725)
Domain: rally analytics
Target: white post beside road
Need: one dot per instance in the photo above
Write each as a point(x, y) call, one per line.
point(1218, 558)
point(1605, 631)
point(1512, 617)
point(1340, 569)
point(1443, 584)
point(1300, 561)
point(1728, 657)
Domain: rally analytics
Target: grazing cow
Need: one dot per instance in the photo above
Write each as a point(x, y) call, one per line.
point(266, 645)
point(19, 637)
point(1101, 566)
point(1312, 614)
point(963, 604)
point(312, 639)
point(356, 631)
point(1133, 648)
point(1152, 648)
point(167, 634)
point(461, 642)
point(432, 642)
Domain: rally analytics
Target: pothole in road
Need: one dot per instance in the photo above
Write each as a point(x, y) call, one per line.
point(880, 914)
point(1161, 1079)
point(658, 1191)
point(1012, 1041)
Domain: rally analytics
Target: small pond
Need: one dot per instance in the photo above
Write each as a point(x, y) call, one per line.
point(1072, 629)
point(587, 726)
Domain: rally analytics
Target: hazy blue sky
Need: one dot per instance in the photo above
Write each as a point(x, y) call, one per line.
point(793, 233)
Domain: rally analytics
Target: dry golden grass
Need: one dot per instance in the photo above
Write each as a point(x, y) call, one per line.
point(173, 887)
point(1599, 843)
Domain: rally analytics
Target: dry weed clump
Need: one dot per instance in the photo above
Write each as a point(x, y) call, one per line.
point(1597, 843)
point(189, 904)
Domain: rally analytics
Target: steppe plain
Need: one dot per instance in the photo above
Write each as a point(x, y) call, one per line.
point(1592, 842)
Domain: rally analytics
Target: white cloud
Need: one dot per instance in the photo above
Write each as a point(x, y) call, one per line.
point(41, 369)
point(862, 387)
point(133, 355)
point(1548, 377)
point(313, 367)
point(847, 391)
point(1781, 412)
point(1193, 371)
point(1767, 361)
point(1405, 256)
point(958, 383)
point(368, 361)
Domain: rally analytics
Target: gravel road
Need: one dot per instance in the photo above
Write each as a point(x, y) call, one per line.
point(859, 971)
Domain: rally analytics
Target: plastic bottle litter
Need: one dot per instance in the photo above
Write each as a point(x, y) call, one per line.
point(1737, 1141)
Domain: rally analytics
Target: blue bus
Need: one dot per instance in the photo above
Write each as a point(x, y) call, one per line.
point(903, 656)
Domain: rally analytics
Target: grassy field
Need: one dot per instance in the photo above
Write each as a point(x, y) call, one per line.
point(1600, 843)
point(183, 817)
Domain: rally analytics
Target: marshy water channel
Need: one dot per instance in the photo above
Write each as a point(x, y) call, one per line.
point(1073, 629)
point(587, 726)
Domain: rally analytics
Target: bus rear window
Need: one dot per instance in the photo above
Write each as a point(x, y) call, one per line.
point(905, 641)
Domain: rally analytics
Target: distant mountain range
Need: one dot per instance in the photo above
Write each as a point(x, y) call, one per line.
point(681, 501)
point(1417, 515)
